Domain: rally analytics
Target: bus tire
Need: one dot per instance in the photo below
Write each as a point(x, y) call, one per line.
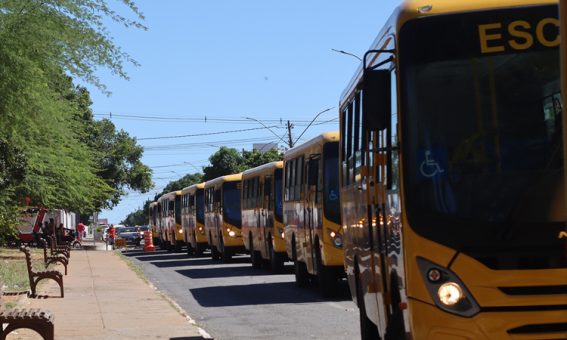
point(326, 278)
point(255, 256)
point(368, 330)
point(215, 255)
point(395, 329)
point(226, 252)
point(300, 269)
point(199, 247)
point(276, 259)
point(178, 246)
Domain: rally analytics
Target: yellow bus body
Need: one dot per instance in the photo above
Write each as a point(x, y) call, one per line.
point(262, 228)
point(193, 226)
point(153, 221)
point(313, 240)
point(398, 275)
point(171, 232)
point(223, 233)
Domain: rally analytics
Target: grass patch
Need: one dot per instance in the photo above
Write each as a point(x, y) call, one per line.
point(133, 266)
point(13, 268)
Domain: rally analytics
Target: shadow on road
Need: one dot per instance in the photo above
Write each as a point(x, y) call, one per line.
point(255, 294)
point(232, 271)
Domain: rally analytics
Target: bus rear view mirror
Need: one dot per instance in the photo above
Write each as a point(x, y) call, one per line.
point(376, 99)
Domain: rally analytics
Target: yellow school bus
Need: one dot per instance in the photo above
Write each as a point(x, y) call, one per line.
point(262, 215)
point(223, 216)
point(171, 232)
point(153, 221)
point(193, 218)
point(451, 167)
point(311, 209)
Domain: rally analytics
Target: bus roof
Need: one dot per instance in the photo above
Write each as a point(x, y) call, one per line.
point(413, 9)
point(170, 195)
point(323, 138)
point(264, 168)
point(152, 203)
point(223, 179)
point(193, 188)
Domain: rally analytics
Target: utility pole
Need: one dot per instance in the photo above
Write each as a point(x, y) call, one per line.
point(290, 140)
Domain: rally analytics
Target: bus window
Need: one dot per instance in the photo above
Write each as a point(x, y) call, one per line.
point(200, 206)
point(231, 203)
point(331, 182)
point(278, 195)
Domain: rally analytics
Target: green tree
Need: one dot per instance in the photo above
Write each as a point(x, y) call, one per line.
point(41, 43)
point(225, 161)
point(181, 183)
point(141, 216)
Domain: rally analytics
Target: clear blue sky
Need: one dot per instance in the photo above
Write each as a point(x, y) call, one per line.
point(225, 60)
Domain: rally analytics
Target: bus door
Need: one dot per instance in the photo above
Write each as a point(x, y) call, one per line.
point(311, 220)
point(217, 223)
point(258, 212)
point(267, 212)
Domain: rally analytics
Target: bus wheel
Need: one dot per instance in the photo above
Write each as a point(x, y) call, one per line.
point(178, 246)
point(368, 330)
point(226, 252)
point(395, 328)
point(325, 276)
point(255, 257)
point(301, 275)
point(276, 259)
point(199, 248)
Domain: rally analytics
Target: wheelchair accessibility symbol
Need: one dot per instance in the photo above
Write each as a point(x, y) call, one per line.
point(429, 167)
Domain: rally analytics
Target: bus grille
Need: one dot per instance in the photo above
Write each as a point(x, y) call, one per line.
point(539, 329)
point(534, 290)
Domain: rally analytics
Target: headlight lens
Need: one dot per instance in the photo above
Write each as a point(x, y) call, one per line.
point(281, 232)
point(450, 293)
point(231, 233)
point(181, 231)
point(447, 290)
point(337, 239)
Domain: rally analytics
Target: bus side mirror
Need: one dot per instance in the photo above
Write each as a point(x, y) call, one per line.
point(376, 99)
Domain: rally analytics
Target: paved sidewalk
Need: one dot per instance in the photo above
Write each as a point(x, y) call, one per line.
point(105, 299)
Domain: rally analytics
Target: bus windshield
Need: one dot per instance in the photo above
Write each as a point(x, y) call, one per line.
point(483, 143)
point(178, 209)
point(278, 195)
point(331, 182)
point(231, 203)
point(200, 206)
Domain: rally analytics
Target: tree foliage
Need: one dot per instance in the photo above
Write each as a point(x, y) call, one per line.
point(228, 161)
point(141, 216)
point(42, 44)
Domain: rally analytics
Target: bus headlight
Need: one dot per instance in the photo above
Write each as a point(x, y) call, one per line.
point(450, 293)
point(337, 239)
point(281, 232)
point(447, 290)
point(202, 230)
point(231, 233)
point(180, 231)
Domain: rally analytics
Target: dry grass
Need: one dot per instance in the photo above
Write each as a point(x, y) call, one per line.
point(14, 272)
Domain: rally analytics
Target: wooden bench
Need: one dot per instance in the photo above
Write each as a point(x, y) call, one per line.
point(49, 259)
point(36, 276)
point(39, 320)
point(58, 249)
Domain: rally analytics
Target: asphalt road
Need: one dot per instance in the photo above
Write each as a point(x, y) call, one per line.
point(235, 301)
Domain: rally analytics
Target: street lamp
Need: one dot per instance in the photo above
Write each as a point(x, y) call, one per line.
point(347, 53)
point(268, 128)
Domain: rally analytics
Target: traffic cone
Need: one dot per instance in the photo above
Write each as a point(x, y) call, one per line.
point(148, 241)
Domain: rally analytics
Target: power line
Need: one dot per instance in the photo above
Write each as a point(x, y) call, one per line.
point(204, 119)
point(203, 134)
